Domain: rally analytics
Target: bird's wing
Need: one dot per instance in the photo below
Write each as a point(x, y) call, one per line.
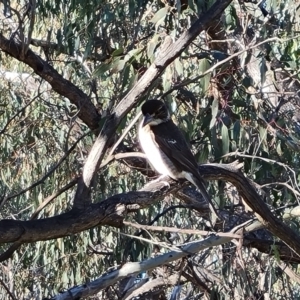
point(172, 142)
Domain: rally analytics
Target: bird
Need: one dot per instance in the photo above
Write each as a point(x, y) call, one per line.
point(166, 148)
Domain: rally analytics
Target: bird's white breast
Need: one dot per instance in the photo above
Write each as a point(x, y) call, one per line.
point(153, 153)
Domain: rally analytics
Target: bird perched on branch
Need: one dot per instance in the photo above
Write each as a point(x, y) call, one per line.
point(166, 148)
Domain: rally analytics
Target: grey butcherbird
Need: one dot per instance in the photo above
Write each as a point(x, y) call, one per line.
point(166, 148)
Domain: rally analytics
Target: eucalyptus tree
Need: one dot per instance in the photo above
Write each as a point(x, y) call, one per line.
point(79, 218)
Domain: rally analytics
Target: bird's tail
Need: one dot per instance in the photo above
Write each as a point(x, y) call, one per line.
point(198, 183)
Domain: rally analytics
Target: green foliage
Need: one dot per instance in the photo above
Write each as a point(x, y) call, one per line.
point(104, 47)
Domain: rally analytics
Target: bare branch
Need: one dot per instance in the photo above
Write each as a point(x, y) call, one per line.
point(132, 268)
point(183, 231)
point(7, 289)
point(52, 197)
point(122, 156)
point(113, 210)
point(124, 133)
point(254, 201)
point(110, 212)
point(152, 284)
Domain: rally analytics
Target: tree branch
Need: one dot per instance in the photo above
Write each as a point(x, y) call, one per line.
point(110, 212)
point(132, 268)
point(113, 210)
point(87, 111)
point(249, 194)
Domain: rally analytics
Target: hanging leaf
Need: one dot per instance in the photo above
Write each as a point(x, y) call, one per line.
point(178, 67)
point(133, 78)
point(118, 65)
point(77, 43)
point(263, 71)
point(125, 76)
point(132, 55)
point(118, 52)
point(236, 130)
point(159, 15)
point(225, 139)
point(204, 81)
point(167, 79)
point(151, 46)
point(214, 112)
point(102, 69)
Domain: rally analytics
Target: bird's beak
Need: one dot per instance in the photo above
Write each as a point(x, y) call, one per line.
point(147, 119)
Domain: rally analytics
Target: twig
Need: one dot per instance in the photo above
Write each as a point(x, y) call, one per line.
point(17, 113)
point(41, 180)
point(52, 197)
point(158, 243)
point(7, 289)
point(183, 231)
point(156, 218)
point(124, 134)
point(289, 272)
point(284, 184)
point(122, 156)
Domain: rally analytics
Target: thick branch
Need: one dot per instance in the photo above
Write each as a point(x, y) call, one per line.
point(254, 201)
point(113, 211)
point(87, 111)
point(110, 212)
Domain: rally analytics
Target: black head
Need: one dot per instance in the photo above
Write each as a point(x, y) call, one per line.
point(155, 112)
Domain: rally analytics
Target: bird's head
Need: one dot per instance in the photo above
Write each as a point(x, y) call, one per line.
point(155, 112)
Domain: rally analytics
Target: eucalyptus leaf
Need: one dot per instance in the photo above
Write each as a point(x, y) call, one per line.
point(236, 130)
point(152, 45)
point(254, 10)
point(118, 52)
point(225, 139)
point(178, 67)
point(102, 69)
point(214, 112)
point(204, 81)
point(263, 70)
point(159, 15)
